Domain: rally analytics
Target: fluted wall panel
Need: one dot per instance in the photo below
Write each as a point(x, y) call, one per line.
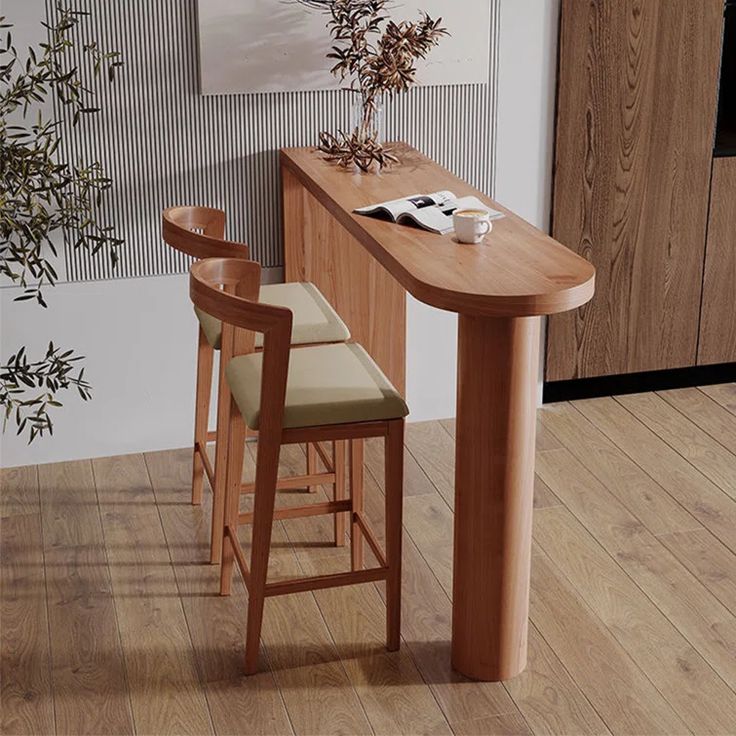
point(163, 143)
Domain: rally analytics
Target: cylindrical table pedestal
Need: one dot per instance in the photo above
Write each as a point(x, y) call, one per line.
point(494, 491)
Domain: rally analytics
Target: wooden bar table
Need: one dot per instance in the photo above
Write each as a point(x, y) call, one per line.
point(500, 291)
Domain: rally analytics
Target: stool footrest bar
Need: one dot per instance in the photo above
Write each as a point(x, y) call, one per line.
point(293, 482)
point(298, 585)
point(361, 430)
point(299, 512)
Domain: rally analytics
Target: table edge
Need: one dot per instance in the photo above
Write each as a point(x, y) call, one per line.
point(461, 302)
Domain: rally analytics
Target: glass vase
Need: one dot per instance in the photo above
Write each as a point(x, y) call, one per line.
point(367, 120)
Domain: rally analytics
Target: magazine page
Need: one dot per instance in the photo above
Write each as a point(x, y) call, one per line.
point(438, 219)
point(433, 218)
point(397, 207)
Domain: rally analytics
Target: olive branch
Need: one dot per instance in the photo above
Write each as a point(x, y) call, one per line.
point(379, 57)
point(41, 195)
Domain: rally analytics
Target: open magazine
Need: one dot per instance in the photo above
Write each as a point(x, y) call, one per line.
point(432, 212)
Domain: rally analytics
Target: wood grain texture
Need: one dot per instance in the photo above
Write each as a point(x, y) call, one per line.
point(543, 496)
point(238, 704)
point(717, 342)
point(18, 491)
point(426, 627)
point(523, 273)
point(705, 501)
point(499, 292)
point(632, 625)
point(394, 485)
point(622, 477)
point(368, 299)
point(391, 690)
point(356, 464)
point(88, 673)
point(297, 244)
point(724, 394)
point(416, 482)
point(318, 695)
point(714, 461)
point(636, 115)
point(200, 233)
point(547, 697)
point(166, 696)
point(210, 283)
point(545, 440)
point(586, 497)
point(494, 494)
point(708, 560)
point(298, 645)
point(390, 687)
point(709, 626)
point(434, 450)
point(597, 662)
point(508, 724)
point(706, 413)
point(25, 665)
point(684, 678)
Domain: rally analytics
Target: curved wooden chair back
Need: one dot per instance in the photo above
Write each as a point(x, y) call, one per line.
point(228, 288)
point(200, 232)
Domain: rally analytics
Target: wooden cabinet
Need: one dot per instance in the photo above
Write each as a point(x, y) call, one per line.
point(718, 318)
point(637, 100)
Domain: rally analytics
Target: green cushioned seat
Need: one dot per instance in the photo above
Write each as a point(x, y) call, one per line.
point(327, 384)
point(315, 320)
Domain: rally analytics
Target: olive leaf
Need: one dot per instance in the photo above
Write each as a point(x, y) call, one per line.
point(41, 195)
point(42, 379)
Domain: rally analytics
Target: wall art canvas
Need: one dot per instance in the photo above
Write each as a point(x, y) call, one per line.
point(280, 45)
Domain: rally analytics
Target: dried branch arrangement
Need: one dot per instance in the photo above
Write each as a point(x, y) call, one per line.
point(379, 57)
point(362, 150)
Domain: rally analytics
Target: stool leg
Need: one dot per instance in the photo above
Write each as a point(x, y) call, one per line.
point(394, 504)
point(205, 356)
point(356, 496)
point(312, 461)
point(267, 463)
point(232, 469)
point(338, 454)
point(224, 420)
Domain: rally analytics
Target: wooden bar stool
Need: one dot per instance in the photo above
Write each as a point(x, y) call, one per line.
point(199, 232)
point(295, 395)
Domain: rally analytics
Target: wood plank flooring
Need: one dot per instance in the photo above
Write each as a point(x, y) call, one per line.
point(110, 622)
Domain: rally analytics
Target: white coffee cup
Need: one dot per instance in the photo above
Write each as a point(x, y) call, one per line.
point(471, 226)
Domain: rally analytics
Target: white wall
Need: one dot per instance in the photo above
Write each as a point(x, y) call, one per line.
point(527, 82)
point(526, 89)
point(139, 334)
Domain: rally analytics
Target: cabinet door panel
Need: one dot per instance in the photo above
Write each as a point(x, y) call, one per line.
point(636, 117)
point(718, 317)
